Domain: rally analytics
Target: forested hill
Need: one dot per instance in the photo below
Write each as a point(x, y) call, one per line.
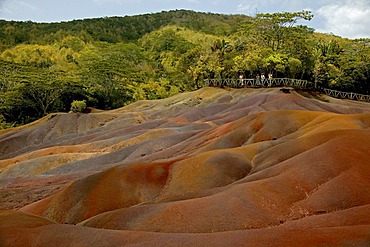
point(110, 62)
point(118, 29)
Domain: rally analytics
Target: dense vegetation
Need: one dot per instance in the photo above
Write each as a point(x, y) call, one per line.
point(110, 62)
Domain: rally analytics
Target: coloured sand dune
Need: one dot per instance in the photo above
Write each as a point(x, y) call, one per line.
point(214, 167)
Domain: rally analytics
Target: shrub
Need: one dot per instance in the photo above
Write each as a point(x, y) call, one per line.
point(4, 124)
point(78, 106)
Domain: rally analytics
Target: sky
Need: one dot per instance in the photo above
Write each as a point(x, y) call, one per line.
point(345, 18)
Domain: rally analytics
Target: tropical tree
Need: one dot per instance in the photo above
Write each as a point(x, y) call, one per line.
point(327, 69)
point(274, 29)
point(108, 69)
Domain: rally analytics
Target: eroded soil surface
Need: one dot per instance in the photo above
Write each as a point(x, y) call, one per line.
point(215, 167)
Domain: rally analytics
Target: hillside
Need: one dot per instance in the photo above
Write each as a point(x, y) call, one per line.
point(213, 167)
point(114, 61)
point(119, 29)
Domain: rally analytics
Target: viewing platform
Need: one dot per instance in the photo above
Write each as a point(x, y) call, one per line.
point(284, 82)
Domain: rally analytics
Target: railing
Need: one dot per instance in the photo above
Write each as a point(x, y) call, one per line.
point(346, 95)
point(283, 82)
point(275, 82)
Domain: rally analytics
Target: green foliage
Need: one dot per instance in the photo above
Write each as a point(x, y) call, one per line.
point(115, 29)
point(275, 29)
point(154, 90)
point(78, 106)
point(4, 124)
point(294, 66)
point(108, 69)
point(110, 62)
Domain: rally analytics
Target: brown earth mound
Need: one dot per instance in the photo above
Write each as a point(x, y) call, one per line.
point(215, 167)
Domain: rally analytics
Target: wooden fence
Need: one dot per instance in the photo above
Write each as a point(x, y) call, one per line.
point(283, 82)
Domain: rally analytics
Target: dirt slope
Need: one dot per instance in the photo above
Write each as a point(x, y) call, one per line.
point(213, 167)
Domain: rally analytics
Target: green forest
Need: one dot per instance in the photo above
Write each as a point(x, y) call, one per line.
point(113, 61)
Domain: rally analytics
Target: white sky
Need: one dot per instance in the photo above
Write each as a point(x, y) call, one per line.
point(346, 18)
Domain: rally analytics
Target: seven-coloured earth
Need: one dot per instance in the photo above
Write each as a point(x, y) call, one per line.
point(213, 167)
